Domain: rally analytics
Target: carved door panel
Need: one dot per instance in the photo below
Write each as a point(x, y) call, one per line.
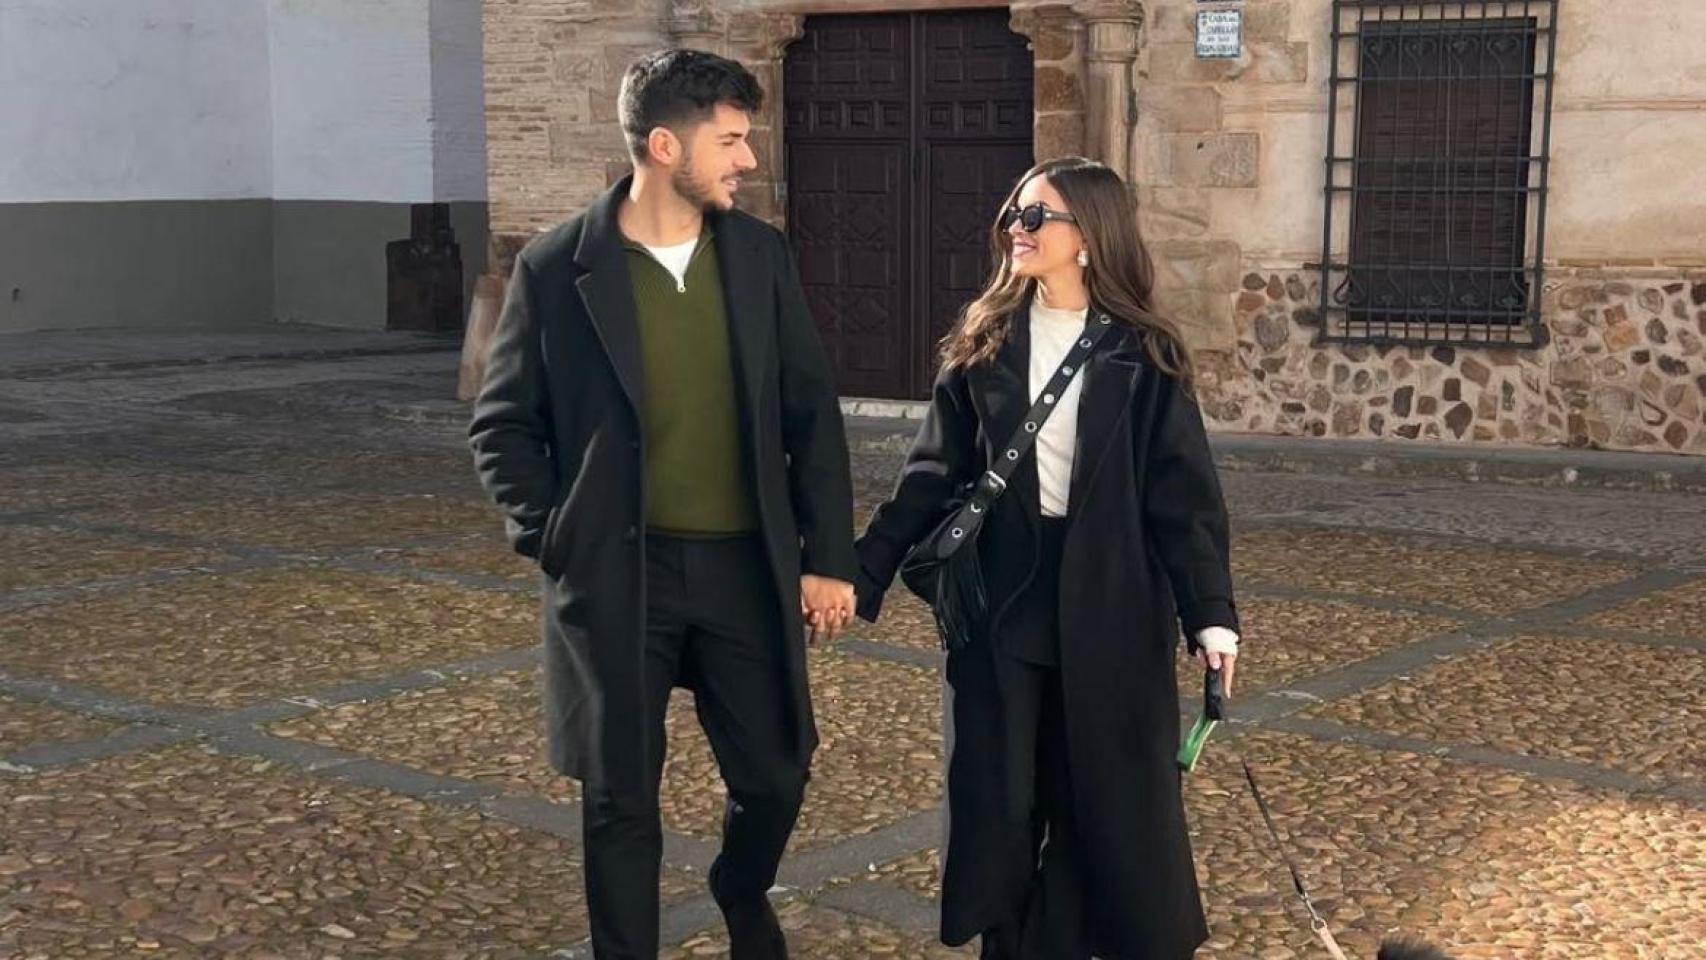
point(849, 206)
point(903, 134)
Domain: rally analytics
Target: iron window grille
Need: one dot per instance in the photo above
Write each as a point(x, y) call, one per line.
point(1436, 185)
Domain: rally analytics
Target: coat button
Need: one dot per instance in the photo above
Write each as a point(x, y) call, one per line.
point(631, 534)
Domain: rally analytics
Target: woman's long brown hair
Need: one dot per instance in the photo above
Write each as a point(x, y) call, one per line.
point(1121, 276)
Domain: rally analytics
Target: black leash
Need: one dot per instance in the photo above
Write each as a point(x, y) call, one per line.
point(1316, 923)
point(1214, 710)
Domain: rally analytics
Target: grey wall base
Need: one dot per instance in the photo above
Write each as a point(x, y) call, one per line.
point(135, 264)
point(209, 263)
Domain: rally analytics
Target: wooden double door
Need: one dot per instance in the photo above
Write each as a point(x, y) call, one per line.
point(904, 132)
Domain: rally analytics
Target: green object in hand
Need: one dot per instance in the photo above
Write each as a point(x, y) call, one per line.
point(1213, 711)
point(1191, 749)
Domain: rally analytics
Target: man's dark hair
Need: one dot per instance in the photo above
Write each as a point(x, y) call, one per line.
point(680, 88)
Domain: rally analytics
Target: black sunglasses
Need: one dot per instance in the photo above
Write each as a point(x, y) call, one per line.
point(1032, 218)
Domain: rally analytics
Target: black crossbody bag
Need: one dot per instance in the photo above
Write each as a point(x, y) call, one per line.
point(943, 569)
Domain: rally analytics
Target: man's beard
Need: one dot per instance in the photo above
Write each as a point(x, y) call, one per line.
point(691, 188)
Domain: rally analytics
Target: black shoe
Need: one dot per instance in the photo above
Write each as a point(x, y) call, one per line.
point(754, 932)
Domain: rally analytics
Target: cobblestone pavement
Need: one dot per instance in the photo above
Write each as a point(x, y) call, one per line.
point(269, 688)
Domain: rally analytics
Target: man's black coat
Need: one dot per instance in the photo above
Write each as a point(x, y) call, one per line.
point(556, 435)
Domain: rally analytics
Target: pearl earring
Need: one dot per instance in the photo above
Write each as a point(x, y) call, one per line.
point(1083, 259)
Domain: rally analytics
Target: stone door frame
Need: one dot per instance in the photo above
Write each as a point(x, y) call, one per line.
point(1085, 55)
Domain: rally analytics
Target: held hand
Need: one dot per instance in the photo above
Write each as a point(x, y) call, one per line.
point(826, 604)
point(1226, 663)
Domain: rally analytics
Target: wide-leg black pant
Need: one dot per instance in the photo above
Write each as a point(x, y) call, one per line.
point(1049, 924)
point(713, 625)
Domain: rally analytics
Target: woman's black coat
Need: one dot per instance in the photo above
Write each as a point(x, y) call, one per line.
point(1146, 550)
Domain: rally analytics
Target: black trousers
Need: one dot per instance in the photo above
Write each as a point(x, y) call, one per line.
point(1050, 923)
point(713, 625)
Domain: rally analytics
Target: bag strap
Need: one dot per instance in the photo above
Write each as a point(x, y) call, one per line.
point(993, 483)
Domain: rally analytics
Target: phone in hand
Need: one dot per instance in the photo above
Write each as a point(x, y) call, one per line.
point(1213, 695)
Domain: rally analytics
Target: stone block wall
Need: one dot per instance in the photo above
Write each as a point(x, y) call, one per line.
point(1625, 370)
point(552, 71)
point(1057, 46)
point(1227, 159)
point(1190, 150)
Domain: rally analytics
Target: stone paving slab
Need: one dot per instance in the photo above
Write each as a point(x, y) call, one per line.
point(1618, 706)
point(1414, 568)
point(372, 461)
point(878, 760)
point(322, 400)
point(1289, 640)
point(1601, 522)
point(156, 854)
point(322, 525)
point(919, 872)
point(39, 557)
point(1597, 875)
point(43, 352)
point(1378, 837)
point(1677, 612)
point(31, 724)
point(1486, 863)
point(197, 461)
point(229, 640)
point(820, 933)
point(488, 730)
point(904, 622)
point(391, 639)
point(482, 556)
point(56, 488)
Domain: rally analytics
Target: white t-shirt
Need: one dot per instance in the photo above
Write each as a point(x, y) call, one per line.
point(1053, 334)
point(675, 259)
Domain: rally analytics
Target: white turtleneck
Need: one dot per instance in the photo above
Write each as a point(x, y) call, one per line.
point(1053, 333)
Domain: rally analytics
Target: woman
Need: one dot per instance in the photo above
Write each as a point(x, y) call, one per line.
point(1067, 833)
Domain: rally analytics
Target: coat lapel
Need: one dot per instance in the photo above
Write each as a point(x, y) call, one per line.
point(749, 292)
point(1110, 377)
point(608, 293)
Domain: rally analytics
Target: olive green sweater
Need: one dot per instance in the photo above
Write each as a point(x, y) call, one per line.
point(696, 483)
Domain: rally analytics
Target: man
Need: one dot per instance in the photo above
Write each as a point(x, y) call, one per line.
point(659, 424)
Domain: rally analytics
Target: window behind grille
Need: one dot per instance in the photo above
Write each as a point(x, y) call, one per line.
point(1441, 174)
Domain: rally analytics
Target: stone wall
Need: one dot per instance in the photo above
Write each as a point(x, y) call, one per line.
point(1228, 162)
point(1225, 159)
point(1625, 369)
point(552, 71)
point(1199, 145)
point(1057, 47)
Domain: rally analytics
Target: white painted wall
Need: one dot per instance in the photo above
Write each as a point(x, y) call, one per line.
point(120, 100)
point(354, 100)
point(458, 101)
